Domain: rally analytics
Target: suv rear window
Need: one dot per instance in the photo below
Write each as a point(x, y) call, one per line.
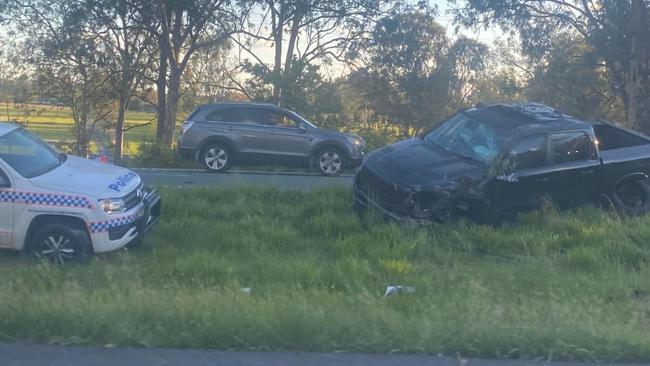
point(223, 115)
point(570, 146)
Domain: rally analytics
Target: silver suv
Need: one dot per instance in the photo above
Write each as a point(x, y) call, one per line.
point(225, 134)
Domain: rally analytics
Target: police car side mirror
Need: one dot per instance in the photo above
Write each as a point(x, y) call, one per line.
point(4, 183)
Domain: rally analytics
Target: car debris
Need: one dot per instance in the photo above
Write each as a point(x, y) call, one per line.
point(246, 290)
point(487, 163)
point(398, 289)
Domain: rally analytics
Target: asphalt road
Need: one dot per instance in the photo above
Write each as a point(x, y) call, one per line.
point(199, 178)
point(36, 355)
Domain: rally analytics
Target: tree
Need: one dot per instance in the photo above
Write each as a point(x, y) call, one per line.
point(571, 79)
point(467, 59)
point(124, 40)
point(413, 76)
point(617, 30)
point(301, 33)
point(60, 48)
point(181, 27)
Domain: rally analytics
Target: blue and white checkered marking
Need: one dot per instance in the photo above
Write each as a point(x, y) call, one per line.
point(47, 199)
point(100, 226)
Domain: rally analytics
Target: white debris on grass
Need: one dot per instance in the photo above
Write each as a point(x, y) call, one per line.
point(398, 289)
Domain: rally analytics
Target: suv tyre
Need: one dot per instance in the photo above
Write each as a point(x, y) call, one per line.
point(330, 161)
point(216, 157)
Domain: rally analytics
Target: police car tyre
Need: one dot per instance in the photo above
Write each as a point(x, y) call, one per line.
point(60, 243)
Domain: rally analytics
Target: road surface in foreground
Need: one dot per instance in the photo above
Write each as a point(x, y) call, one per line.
point(36, 355)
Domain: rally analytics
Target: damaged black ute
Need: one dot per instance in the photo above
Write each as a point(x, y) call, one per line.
point(489, 162)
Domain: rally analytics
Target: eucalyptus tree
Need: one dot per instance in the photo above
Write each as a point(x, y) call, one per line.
point(62, 51)
point(302, 34)
point(618, 32)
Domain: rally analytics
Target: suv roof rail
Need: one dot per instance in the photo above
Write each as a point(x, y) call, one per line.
point(235, 102)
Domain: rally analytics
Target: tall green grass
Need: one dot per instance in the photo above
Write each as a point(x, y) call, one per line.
point(572, 285)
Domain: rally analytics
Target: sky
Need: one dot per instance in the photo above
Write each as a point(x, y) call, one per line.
point(265, 52)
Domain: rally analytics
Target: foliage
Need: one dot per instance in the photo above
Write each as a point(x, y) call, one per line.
point(154, 154)
point(618, 32)
point(66, 64)
point(305, 91)
point(302, 34)
point(571, 80)
point(414, 75)
point(555, 286)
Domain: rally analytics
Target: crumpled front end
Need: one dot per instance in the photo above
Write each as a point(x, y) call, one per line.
point(417, 205)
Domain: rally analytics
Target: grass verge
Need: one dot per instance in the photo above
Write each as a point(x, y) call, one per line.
point(574, 285)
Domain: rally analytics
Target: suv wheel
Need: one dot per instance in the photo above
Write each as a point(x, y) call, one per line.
point(632, 197)
point(60, 243)
point(330, 161)
point(216, 158)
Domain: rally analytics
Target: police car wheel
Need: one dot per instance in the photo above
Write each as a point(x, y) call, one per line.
point(60, 243)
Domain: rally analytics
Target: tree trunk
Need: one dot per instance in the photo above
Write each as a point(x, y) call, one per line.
point(293, 36)
point(637, 70)
point(173, 96)
point(123, 104)
point(277, 22)
point(161, 86)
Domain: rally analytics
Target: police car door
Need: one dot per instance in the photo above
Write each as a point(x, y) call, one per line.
point(6, 210)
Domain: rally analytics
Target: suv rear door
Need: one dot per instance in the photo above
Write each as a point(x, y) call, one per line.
point(242, 125)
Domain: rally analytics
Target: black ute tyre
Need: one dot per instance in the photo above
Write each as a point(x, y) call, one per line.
point(631, 197)
point(60, 243)
point(329, 161)
point(216, 157)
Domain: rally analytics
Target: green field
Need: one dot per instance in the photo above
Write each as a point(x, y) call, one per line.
point(556, 286)
point(54, 123)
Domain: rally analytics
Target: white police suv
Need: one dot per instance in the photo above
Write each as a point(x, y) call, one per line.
point(64, 208)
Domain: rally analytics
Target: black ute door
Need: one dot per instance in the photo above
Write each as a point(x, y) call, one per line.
point(574, 168)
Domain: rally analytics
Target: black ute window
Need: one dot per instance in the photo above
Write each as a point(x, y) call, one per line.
point(570, 146)
point(529, 153)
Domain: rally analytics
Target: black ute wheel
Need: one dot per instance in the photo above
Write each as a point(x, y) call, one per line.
point(60, 243)
point(329, 161)
point(631, 197)
point(216, 157)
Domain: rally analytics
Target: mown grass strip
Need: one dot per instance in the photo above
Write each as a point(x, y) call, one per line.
point(572, 285)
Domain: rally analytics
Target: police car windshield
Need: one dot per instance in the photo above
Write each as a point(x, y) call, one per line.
point(28, 155)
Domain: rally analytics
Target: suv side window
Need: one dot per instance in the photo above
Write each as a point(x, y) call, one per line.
point(529, 153)
point(569, 146)
point(253, 115)
point(280, 119)
point(223, 115)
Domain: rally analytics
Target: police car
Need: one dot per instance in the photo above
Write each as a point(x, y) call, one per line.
point(65, 208)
